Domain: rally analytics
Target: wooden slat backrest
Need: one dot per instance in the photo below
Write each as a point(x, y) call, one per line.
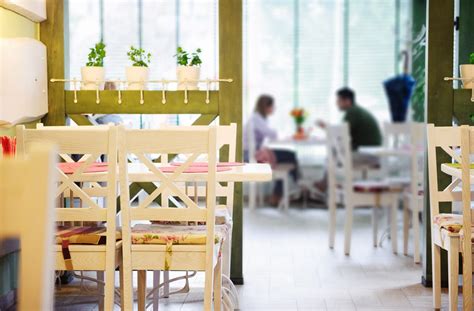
point(26, 212)
point(446, 138)
point(226, 137)
point(340, 156)
point(193, 142)
point(89, 144)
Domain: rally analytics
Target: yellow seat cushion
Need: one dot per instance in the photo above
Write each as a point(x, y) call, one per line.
point(83, 235)
point(176, 234)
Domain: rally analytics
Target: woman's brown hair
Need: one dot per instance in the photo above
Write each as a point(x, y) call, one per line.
point(263, 102)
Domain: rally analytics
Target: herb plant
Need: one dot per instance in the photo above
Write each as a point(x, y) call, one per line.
point(183, 58)
point(139, 57)
point(96, 55)
point(471, 58)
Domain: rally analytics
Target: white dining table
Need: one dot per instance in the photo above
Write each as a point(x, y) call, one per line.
point(138, 172)
point(249, 172)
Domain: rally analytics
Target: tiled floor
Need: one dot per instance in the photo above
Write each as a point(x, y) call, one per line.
point(288, 266)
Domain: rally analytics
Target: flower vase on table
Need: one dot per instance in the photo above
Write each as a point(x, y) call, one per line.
point(299, 116)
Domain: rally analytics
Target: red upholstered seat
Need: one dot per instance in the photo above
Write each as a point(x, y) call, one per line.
point(371, 186)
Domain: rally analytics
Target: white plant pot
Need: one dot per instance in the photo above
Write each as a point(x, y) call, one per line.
point(187, 75)
point(467, 72)
point(92, 74)
point(137, 77)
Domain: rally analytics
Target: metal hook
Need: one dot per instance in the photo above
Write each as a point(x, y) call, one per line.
point(207, 91)
point(74, 86)
point(97, 98)
point(142, 101)
point(163, 92)
point(185, 91)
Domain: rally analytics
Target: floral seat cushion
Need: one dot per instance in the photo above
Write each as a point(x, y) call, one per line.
point(80, 235)
point(175, 234)
point(451, 223)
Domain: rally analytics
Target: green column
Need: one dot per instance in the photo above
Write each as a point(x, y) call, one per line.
point(439, 106)
point(230, 108)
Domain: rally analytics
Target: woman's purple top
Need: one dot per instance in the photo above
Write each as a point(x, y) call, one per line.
point(261, 130)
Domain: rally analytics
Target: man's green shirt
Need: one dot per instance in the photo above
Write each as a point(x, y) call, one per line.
point(363, 127)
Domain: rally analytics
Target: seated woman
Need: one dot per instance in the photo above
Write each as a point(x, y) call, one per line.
point(256, 131)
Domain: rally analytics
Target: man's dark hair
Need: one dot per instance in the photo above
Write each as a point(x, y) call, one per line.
point(346, 93)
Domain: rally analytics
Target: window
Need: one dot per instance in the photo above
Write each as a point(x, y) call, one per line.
point(159, 26)
point(302, 51)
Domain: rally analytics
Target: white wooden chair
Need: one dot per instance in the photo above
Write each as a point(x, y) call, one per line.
point(226, 137)
point(26, 212)
point(407, 137)
point(84, 248)
point(448, 230)
point(343, 189)
point(413, 195)
point(168, 247)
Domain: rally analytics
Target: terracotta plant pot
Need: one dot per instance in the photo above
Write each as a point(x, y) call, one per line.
point(467, 72)
point(190, 74)
point(92, 74)
point(137, 77)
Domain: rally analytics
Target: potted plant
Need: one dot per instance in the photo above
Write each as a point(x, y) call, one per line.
point(94, 69)
point(137, 74)
point(188, 68)
point(467, 72)
point(299, 116)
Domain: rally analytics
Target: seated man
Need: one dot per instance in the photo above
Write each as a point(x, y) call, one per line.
point(363, 128)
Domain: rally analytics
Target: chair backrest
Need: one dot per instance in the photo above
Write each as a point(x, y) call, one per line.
point(418, 147)
point(448, 139)
point(226, 138)
point(82, 148)
point(340, 156)
point(143, 144)
point(397, 135)
point(26, 212)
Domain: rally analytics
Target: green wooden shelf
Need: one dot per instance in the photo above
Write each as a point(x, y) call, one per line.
point(86, 102)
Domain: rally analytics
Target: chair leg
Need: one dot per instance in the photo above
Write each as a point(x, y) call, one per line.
point(393, 224)
point(208, 286)
point(127, 293)
point(453, 273)
point(348, 227)
point(332, 217)
point(467, 276)
point(416, 235)
point(436, 266)
point(218, 286)
point(260, 194)
point(406, 226)
point(166, 284)
point(226, 254)
point(141, 292)
point(252, 196)
point(109, 294)
point(156, 294)
point(286, 194)
point(122, 288)
point(375, 225)
point(100, 287)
